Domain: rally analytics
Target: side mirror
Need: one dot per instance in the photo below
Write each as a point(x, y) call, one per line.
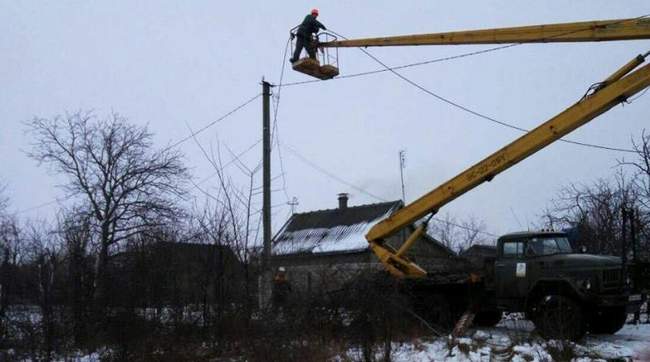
point(583, 249)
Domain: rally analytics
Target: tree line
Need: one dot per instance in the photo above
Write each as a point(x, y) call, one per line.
point(102, 273)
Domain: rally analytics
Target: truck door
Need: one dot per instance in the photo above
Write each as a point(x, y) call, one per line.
point(511, 270)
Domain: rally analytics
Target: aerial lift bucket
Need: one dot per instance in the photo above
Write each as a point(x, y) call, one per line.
point(325, 65)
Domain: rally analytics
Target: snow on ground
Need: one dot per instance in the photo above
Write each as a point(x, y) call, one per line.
point(513, 340)
point(631, 340)
point(81, 357)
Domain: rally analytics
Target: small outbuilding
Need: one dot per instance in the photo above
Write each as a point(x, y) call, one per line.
point(324, 249)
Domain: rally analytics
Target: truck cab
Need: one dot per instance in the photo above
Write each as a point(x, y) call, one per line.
point(540, 274)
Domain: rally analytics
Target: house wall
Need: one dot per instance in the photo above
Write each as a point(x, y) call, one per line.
point(311, 274)
point(176, 273)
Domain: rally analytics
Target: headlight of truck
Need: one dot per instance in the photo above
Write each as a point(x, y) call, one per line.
point(628, 281)
point(586, 284)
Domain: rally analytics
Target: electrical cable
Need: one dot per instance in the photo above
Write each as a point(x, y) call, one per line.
point(336, 178)
point(329, 174)
point(233, 160)
point(281, 159)
point(215, 121)
point(462, 55)
point(632, 100)
point(39, 206)
point(409, 65)
point(476, 113)
point(464, 227)
point(274, 132)
point(202, 129)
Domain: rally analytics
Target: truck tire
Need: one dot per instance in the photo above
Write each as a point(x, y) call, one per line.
point(559, 317)
point(607, 320)
point(488, 318)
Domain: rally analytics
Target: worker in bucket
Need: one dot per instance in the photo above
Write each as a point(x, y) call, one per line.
point(305, 33)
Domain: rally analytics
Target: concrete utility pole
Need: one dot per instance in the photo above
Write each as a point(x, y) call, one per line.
point(266, 173)
point(265, 278)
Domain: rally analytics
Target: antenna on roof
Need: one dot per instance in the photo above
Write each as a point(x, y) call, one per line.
point(293, 203)
point(402, 165)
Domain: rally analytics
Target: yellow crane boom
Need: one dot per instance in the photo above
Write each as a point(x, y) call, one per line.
point(622, 84)
point(615, 89)
point(603, 30)
point(584, 31)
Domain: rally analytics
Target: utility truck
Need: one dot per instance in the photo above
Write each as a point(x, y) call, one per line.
point(564, 293)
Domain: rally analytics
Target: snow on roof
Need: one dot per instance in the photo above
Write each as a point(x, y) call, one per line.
point(334, 230)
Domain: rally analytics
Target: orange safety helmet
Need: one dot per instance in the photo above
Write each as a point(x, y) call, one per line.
point(314, 12)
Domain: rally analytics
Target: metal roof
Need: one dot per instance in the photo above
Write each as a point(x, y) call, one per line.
point(332, 230)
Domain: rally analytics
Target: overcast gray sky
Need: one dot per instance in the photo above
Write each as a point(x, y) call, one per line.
point(169, 63)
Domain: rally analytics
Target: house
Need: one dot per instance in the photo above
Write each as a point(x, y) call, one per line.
point(164, 273)
point(480, 255)
point(322, 250)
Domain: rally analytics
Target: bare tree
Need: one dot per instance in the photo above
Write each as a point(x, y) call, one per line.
point(43, 254)
point(641, 182)
point(444, 230)
point(111, 167)
point(459, 234)
point(641, 168)
point(228, 217)
point(74, 231)
point(11, 249)
point(472, 231)
point(594, 212)
point(231, 218)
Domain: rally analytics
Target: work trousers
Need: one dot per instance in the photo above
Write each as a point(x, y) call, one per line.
point(304, 42)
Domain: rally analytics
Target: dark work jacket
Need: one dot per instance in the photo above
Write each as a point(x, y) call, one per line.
point(309, 26)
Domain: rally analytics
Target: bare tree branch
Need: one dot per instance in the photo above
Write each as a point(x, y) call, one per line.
point(112, 167)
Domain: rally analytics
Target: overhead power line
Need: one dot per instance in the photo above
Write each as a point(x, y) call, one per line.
point(200, 130)
point(329, 174)
point(235, 158)
point(39, 206)
point(453, 57)
point(483, 116)
point(476, 113)
point(179, 142)
point(364, 191)
point(409, 65)
point(275, 134)
point(464, 227)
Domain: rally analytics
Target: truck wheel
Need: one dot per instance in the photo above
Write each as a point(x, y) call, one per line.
point(559, 317)
point(607, 320)
point(487, 318)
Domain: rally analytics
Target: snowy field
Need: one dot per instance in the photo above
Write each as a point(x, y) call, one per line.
point(513, 340)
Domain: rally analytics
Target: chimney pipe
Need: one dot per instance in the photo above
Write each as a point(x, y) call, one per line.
point(343, 201)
